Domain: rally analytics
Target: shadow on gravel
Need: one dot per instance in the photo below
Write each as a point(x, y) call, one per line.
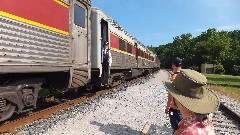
point(115, 129)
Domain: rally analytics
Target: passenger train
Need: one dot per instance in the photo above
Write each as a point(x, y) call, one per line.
point(57, 44)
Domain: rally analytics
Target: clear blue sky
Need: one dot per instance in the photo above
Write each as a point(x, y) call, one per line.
point(156, 22)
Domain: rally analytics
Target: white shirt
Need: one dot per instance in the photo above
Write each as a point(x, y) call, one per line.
point(105, 51)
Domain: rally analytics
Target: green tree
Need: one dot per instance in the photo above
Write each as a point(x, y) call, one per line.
point(164, 52)
point(211, 45)
point(232, 56)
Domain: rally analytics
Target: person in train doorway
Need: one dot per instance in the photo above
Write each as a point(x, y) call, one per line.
point(195, 100)
point(174, 114)
point(106, 63)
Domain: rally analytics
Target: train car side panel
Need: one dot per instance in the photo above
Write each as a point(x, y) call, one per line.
point(44, 43)
point(28, 38)
point(38, 11)
point(96, 39)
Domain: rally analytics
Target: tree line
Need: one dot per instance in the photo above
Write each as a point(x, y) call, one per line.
point(221, 48)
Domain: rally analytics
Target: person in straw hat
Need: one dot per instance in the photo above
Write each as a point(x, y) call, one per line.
point(195, 101)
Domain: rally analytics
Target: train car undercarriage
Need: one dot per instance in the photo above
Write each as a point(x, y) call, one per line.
point(118, 76)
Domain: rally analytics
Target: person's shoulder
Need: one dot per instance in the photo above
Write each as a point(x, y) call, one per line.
point(173, 77)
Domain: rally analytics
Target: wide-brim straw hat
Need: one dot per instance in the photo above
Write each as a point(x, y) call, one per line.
point(189, 88)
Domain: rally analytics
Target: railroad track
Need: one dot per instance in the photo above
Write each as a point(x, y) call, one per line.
point(12, 125)
point(226, 120)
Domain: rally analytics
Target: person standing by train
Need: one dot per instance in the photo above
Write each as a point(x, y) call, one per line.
point(106, 62)
point(174, 114)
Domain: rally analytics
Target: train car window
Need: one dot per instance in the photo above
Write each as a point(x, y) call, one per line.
point(139, 53)
point(122, 45)
point(129, 48)
point(79, 16)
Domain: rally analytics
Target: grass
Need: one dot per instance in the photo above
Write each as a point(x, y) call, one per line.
point(223, 79)
point(231, 91)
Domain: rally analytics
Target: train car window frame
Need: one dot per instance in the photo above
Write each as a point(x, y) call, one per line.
point(129, 48)
point(79, 16)
point(122, 45)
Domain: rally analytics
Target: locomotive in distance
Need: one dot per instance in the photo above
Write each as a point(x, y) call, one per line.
point(57, 44)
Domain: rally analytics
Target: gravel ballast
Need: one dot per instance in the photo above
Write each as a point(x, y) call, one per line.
point(123, 112)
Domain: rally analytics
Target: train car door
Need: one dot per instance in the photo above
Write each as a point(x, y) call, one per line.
point(80, 43)
point(79, 33)
point(104, 39)
point(104, 31)
point(136, 50)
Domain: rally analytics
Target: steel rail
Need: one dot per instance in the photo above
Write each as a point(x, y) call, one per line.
point(230, 112)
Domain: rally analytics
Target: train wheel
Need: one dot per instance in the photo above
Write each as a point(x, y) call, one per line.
point(7, 111)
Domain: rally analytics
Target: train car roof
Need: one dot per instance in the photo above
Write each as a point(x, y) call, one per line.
point(115, 27)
